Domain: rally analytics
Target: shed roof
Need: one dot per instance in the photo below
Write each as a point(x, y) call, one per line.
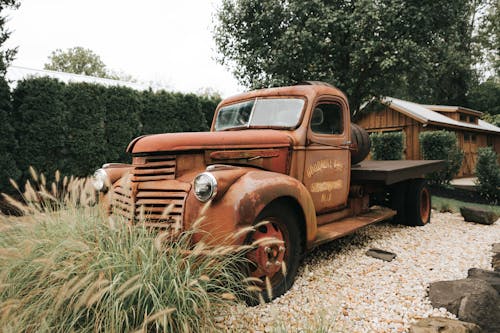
point(425, 115)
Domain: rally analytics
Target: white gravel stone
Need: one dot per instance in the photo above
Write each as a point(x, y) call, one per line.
point(340, 288)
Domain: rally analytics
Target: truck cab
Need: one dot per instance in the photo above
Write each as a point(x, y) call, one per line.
point(284, 163)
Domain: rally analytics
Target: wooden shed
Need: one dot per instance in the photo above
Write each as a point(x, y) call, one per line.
point(412, 118)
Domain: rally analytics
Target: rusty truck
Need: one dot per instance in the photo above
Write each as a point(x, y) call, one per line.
point(289, 156)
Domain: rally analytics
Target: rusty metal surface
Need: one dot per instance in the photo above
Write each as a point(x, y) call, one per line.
point(341, 228)
point(390, 172)
point(169, 142)
point(244, 199)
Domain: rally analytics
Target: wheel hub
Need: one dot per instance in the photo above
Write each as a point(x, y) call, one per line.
point(268, 257)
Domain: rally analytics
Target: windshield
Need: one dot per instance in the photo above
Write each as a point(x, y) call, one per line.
point(269, 112)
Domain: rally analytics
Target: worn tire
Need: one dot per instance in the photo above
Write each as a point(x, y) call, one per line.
point(418, 203)
point(397, 201)
point(283, 221)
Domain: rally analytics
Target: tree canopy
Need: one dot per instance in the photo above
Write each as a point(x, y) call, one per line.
point(6, 55)
point(77, 60)
point(416, 49)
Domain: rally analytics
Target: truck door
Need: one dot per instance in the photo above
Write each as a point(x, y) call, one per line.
point(328, 159)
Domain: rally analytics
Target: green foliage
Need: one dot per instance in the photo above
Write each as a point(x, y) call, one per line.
point(121, 122)
point(40, 120)
point(492, 119)
point(86, 142)
point(7, 55)
point(73, 270)
point(485, 97)
point(387, 146)
point(416, 50)
point(8, 143)
point(79, 60)
point(441, 145)
point(488, 174)
point(76, 127)
point(208, 105)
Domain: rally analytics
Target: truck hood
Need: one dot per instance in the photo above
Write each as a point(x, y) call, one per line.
point(210, 140)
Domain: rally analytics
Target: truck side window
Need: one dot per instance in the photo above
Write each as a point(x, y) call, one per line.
point(327, 119)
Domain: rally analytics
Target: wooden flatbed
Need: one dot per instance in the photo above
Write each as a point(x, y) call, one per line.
point(390, 172)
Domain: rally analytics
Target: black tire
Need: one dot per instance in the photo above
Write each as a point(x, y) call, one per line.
point(361, 139)
point(284, 219)
point(418, 203)
point(397, 201)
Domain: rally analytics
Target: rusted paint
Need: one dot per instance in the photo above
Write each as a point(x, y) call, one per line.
point(244, 200)
point(171, 142)
point(276, 160)
point(259, 166)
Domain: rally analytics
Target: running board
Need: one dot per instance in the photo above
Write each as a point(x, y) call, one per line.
point(345, 226)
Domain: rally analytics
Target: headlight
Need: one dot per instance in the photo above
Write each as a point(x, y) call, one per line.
point(100, 180)
point(205, 186)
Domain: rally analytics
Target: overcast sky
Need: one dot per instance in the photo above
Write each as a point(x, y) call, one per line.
point(164, 41)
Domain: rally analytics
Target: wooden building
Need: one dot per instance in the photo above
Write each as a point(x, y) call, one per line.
point(412, 119)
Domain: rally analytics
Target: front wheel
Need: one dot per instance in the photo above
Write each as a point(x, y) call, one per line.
point(418, 203)
point(276, 256)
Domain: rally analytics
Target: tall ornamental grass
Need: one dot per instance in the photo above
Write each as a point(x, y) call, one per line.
point(67, 268)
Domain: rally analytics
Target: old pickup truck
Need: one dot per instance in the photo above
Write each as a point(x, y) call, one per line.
point(289, 156)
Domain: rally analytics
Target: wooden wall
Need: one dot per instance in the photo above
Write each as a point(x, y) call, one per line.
point(391, 120)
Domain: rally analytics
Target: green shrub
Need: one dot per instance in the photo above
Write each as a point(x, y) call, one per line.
point(76, 127)
point(40, 119)
point(488, 174)
point(8, 142)
point(441, 145)
point(121, 121)
point(387, 146)
point(73, 270)
point(86, 132)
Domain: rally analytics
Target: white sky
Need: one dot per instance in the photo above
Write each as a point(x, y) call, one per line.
point(164, 41)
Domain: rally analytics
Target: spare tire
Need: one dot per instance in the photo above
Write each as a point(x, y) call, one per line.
point(361, 140)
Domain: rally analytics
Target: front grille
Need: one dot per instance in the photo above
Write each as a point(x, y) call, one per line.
point(121, 202)
point(151, 194)
point(160, 206)
point(155, 168)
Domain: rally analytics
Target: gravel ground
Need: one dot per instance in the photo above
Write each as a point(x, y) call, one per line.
point(347, 291)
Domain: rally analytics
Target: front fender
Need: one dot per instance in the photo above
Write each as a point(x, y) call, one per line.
point(242, 202)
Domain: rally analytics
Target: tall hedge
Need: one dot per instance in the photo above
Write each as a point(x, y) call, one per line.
point(87, 146)
point(387, 146)
point(40, 119)
point(8, 142)
point(158, 114)
point(121, 121)
point(76, 127)
point(441, 145)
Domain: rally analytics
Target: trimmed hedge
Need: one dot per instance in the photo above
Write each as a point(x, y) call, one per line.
point(488, 174)
point(387, 146)
point(441, 145)
point(76, 127)
point(8, 142)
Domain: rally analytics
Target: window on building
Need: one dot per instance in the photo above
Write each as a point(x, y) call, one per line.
point(463, 117)
point(466, 137)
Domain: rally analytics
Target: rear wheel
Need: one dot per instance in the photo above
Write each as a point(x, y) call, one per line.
point(276, 257)
point(418, 203)
point(397, 201)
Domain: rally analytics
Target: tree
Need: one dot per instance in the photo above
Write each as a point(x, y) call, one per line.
point(6, 56)
point(77, 60)
point(410, 48)
point(485, 97)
